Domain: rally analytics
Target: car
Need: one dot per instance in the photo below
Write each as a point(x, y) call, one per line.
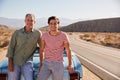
point(76, 75)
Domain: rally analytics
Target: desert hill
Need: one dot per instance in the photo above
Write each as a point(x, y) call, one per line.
point(99, 25)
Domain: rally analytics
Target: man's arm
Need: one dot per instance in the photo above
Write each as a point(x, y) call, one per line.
point(10, 52)
point(68, 50)
point(10, 64)
point(42, 46)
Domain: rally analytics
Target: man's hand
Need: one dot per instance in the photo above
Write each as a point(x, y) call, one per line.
point(70, 69)
point(10, 65)
point(39, 68)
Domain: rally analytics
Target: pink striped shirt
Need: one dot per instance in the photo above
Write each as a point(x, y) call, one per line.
point(54, 46)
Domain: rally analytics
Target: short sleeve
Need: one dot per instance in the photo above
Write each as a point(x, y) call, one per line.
point(39, 37)
point(43, 36)
point(65, 37)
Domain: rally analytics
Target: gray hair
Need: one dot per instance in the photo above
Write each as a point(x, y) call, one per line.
point(29, 15)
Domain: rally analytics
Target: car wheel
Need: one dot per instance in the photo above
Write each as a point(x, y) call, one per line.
point(3, 77)
point(74, 76)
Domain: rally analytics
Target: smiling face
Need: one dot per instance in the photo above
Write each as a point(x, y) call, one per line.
point(53, 25)
point(29, 20)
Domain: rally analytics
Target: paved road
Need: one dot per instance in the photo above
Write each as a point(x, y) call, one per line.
point(107, 58)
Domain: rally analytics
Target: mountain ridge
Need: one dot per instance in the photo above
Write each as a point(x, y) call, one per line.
point(98, 25)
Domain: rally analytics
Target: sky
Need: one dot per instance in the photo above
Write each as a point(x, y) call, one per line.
point(70, 9)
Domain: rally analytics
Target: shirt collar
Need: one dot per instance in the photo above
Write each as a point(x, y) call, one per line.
point(23, 30)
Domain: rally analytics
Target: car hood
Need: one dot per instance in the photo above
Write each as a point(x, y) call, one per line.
point(4, 66)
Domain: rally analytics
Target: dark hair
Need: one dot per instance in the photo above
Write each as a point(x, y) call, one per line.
point(53, 18)
point(29, 15)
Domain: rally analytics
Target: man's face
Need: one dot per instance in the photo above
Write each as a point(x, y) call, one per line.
point(53, 25)
point(29, 21)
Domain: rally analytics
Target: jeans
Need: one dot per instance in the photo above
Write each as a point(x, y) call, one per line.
point(26, 70)
point(56, 69)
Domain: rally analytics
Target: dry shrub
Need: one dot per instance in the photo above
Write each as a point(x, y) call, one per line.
point(5, 35)
point(69, 33)
point(107, 39)
point(85, 37)
point(4, 44)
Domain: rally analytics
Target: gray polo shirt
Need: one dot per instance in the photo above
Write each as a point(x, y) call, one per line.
point(22, 45)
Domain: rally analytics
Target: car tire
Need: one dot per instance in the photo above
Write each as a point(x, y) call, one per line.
point(74, 76)
point(3, 77)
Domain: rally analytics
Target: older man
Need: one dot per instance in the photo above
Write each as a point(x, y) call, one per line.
point(21, 49)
